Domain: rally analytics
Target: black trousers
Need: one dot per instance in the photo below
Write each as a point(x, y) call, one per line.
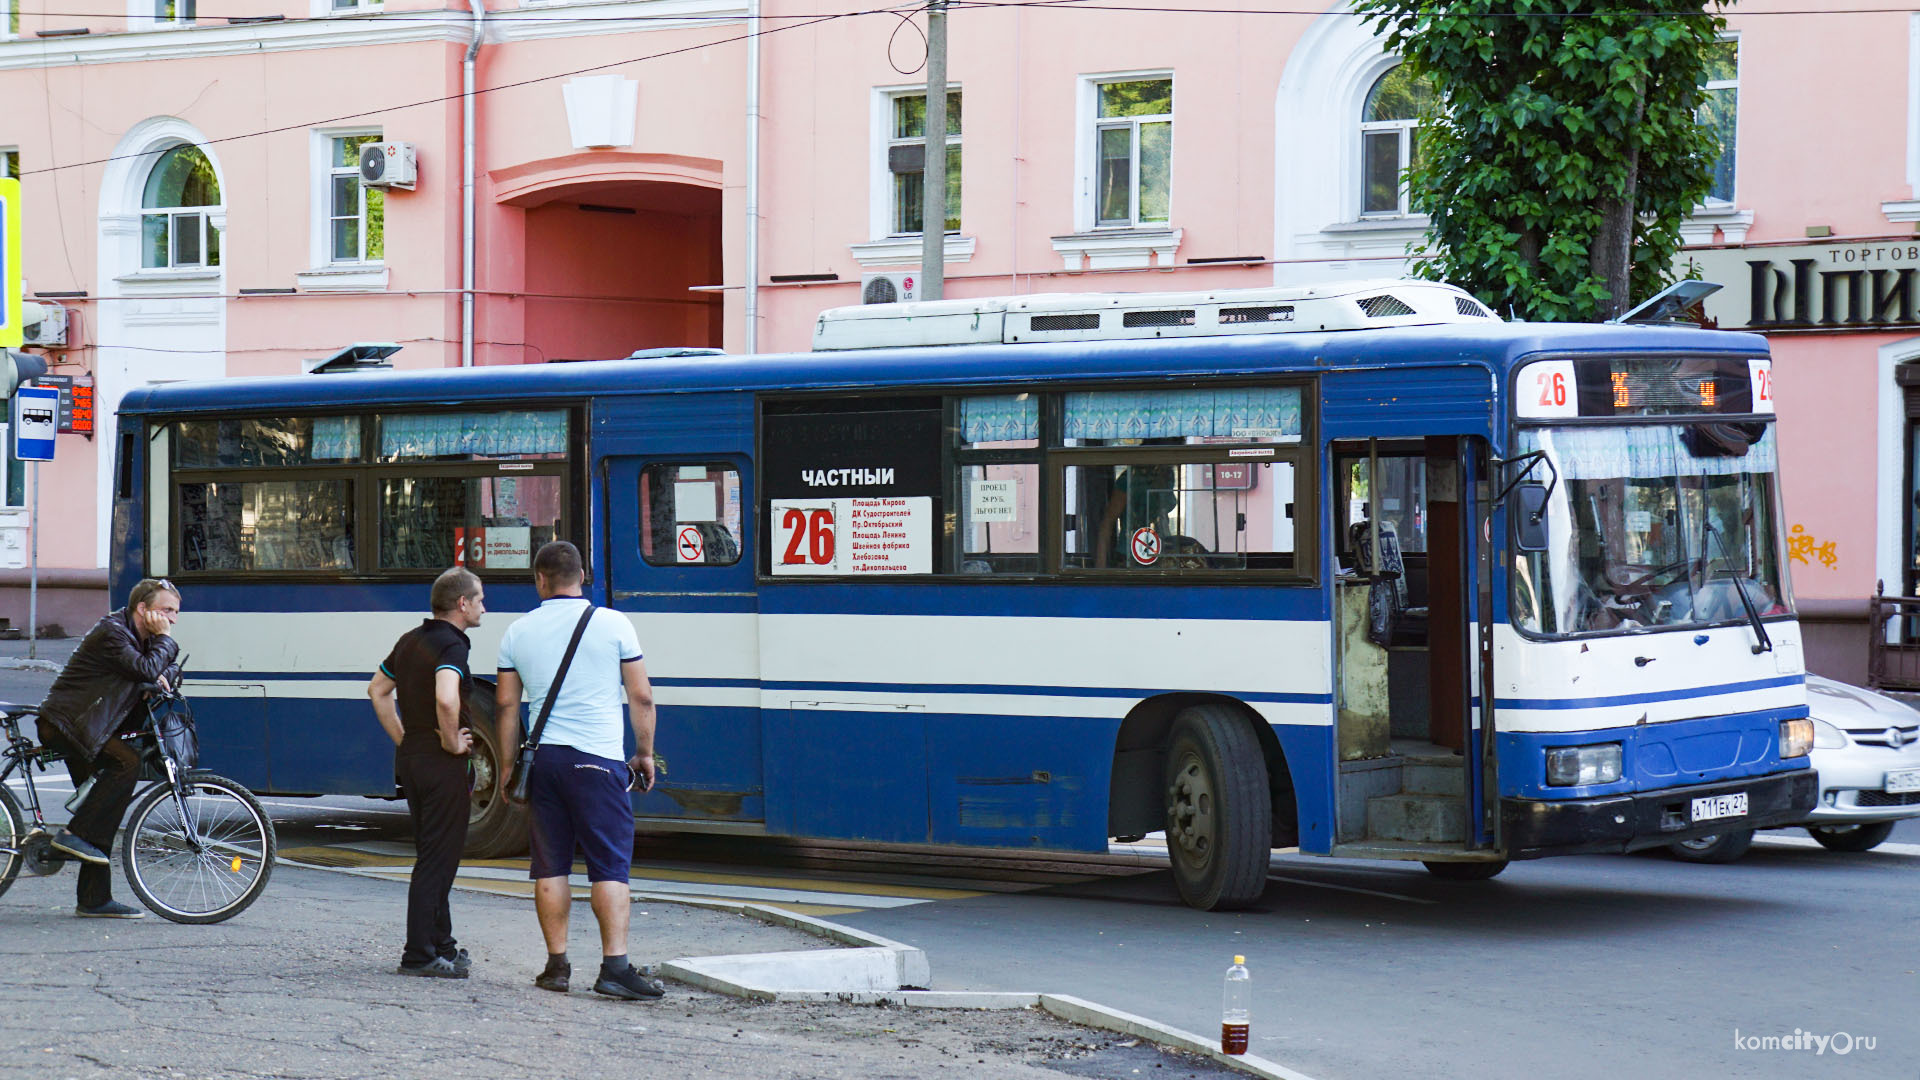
point(437, 796)
point(97, 818)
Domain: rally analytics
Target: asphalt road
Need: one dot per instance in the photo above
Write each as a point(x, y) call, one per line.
point(1565, 968)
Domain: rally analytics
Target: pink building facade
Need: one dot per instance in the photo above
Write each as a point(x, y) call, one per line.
point(193, 201)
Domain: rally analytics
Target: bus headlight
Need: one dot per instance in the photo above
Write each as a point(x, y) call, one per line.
point(1577, 766)
point(1796, 737)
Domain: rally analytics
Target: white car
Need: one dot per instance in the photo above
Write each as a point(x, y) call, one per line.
point(1866, 748)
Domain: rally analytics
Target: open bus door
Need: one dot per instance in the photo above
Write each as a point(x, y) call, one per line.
point(1412, 611)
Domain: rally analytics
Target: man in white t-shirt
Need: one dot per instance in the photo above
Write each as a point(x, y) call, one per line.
point(577, 792)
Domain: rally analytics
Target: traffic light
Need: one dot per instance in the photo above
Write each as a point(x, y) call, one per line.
point(22, 368)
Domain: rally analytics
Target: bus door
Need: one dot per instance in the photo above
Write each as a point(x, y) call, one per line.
point(1406, 611)
point(676, 541)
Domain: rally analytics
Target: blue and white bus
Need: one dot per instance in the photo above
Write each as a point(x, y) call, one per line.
point(1360, 570)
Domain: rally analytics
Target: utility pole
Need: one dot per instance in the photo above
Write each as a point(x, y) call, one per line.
point(933, 204)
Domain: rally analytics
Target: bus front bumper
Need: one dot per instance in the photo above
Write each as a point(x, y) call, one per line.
point(1532, 828)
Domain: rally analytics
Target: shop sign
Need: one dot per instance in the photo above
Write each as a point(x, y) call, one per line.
point(1842, 285)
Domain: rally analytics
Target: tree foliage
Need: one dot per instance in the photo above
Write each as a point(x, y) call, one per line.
point(1563, 149)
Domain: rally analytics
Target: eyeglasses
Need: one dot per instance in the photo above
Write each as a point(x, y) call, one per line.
point(167, 585)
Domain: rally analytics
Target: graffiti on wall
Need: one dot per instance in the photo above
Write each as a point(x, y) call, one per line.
point(1804, 547)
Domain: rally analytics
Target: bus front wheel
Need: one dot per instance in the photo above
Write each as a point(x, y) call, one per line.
point(496, 828)
point(1219, 809)
point(1719, 848)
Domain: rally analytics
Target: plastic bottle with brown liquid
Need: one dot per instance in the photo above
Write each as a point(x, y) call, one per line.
point(1236, 1008)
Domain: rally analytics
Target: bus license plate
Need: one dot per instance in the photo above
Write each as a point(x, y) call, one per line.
point(1904, 780)
point(1715, 807)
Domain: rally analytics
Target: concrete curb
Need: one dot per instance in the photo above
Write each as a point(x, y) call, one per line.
point(16, 663)
point(1090, 1014)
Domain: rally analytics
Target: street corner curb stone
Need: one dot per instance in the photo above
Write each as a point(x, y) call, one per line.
point(909, 964)
point(813, 971)
point(1090, 1014)
point(16, 663)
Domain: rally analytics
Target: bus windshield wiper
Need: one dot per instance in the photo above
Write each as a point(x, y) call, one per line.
point(1740, 584)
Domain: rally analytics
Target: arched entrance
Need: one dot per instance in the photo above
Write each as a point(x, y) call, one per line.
point(611, 245)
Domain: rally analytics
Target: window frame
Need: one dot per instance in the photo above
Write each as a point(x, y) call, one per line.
point(367, 475)
point(709, 463)
point(205, 228)
point(1712, 201)
point(1305, 455)
point(1093, 124)
point(326, 213)
point(1404, 130)
point(887, 204)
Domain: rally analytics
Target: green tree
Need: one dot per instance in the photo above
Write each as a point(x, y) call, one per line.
point(1563, 147)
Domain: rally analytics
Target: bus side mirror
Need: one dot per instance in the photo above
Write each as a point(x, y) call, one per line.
point(1527, 510)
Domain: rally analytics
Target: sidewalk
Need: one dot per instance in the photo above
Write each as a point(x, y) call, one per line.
point(302, 985)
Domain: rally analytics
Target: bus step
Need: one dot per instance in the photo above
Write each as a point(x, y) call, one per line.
point(1427, 819)
point(1420, 778)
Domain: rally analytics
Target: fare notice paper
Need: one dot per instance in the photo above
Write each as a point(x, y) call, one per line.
point(849, 537)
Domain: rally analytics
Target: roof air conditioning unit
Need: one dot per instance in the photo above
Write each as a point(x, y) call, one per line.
point(890, 287)
point(389, 165)
point(44, 324)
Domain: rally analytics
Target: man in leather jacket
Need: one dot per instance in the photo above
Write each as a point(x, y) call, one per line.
point(90, 706)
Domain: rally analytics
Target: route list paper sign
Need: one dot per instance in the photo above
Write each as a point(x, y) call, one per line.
point(849, 537)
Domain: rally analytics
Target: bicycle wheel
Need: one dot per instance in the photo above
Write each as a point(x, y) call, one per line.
point(210, 879)
point(13, 833)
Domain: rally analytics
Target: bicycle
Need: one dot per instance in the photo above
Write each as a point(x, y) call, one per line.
point(197, 847)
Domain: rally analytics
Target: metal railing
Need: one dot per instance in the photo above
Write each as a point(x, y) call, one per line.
point(1893, 659)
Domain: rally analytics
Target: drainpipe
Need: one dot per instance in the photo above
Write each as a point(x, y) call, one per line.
point(753, 177)
point(466, 182)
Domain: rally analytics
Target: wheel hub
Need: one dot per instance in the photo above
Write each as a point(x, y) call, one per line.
point(1190, 824)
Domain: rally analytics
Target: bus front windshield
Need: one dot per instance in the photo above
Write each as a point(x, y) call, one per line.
point(1653, 527)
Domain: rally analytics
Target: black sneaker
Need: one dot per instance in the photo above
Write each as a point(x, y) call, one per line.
point(629, 985)
point(556, 977)
point(68, 844)
point(437, 968)
point(112, 909)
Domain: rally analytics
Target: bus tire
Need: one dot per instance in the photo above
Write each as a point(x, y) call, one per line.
point(1219, 809)
point(1852, 837)
point(1718, 848)
point(1466, 871)
point(496, 829)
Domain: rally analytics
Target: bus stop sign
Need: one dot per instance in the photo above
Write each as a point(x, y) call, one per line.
point(34, 423)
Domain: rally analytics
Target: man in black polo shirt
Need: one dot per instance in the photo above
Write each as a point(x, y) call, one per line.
point(428, 670)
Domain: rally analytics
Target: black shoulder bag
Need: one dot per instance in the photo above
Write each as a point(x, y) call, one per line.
point(523, 765)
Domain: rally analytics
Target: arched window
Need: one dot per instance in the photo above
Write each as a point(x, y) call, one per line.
point(1387, 139)
point(174, 231)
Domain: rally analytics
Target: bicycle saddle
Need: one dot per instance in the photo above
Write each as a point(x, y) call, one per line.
point(13, 711)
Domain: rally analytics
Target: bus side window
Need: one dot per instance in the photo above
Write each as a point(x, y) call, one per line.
point(690, 515)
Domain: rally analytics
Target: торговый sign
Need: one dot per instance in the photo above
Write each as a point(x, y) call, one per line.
point(1844, 285)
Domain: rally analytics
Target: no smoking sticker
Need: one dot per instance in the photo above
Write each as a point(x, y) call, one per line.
point(1146, 545)
point(688, 546)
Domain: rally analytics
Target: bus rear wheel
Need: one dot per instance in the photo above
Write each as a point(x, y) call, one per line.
point(1219, 809)
point(496, 829)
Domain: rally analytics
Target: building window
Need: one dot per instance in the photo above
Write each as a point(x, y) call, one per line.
point(12, 10)
point(1720, 111)
point(181, 193)
point(10, 163)
point(907, 158)
point(173, 11)
point(356, 213)
point(1133, 140)
point(1389, 124)
point(342, 7)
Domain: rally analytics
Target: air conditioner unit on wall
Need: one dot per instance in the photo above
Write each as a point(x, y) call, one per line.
point(45, 324)
point(389, 165)
point(890, 287)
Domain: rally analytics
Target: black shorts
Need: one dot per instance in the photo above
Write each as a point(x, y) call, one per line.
point(579, 800)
